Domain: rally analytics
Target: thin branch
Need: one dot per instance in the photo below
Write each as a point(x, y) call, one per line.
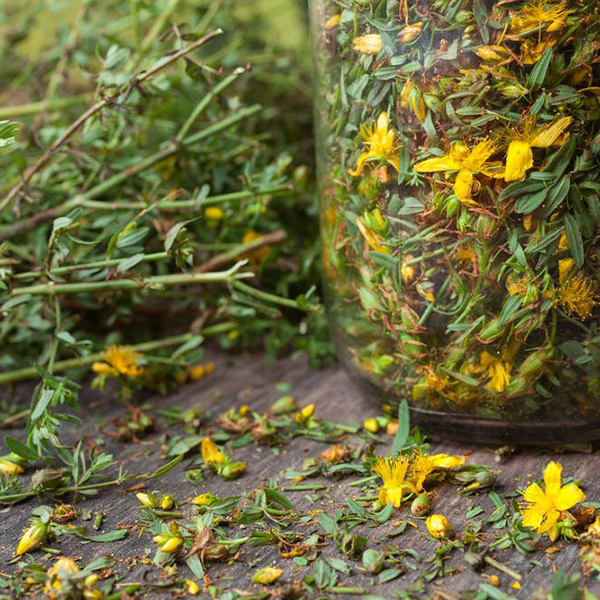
point(90, 112)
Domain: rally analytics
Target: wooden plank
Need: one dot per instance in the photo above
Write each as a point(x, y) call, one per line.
point(241, 380)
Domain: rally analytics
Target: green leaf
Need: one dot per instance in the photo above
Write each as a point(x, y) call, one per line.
point(20, 448)
point(574, 239)
point(538, 73)
point(166, 467)
point(44, 400)
point(109, 536)
point(195, 566)
point(8, 133)
point(403, 432)
point(526, 204)
point(130, 262)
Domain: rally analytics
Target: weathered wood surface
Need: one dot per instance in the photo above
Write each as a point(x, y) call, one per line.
point(242, 380)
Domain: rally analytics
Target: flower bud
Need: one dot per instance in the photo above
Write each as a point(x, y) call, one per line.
point(9, 467)
point(438, 526)
point(267, 575)
point(171, 545)
point(371, 425)
point(233, 470)
point(167, 502)
point(204, 499)
point(148, 500)
point(35, 535)
point(410, 33)
point(420, 506)
point(368, 44)
point(304, 414)
point(332, 22)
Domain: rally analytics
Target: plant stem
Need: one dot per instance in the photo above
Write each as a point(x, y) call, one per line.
point(266, 297)
point(494, 563)
point(157, 281)
point(90, 112)
point(21, 227)
point(74, 363)
point(98, 264)
point(32, 108)
point(206, 101)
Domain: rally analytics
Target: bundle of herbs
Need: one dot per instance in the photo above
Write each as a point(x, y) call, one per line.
point(156, 191)
point(460, 201)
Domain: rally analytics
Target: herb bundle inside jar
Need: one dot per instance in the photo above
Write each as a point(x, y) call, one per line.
point(460, 201)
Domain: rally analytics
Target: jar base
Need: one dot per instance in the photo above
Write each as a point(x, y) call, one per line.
point(492, 432)
point(467, 429)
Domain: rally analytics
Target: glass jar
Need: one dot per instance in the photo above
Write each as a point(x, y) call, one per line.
point(459, 157)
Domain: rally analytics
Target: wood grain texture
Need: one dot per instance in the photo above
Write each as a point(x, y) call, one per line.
point(250, 380)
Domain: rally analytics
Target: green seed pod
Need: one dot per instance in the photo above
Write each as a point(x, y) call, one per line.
point(420, 506)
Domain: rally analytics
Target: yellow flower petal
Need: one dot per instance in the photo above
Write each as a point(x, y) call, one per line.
point(568, 496)
point(549, 135)
point(518, 160)
point(446, 461)
point(211, 453)
point(463, 185)
point(549, 521)
point(434, 165)
point(534, 493)
point(552, 478)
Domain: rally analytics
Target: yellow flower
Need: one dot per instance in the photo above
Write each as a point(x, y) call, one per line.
point(332, 22)
point(467, 162)
point(368, 44)
point(539, 14)
point(519, 158)
point(423, 465)
point(119, 360)
point(393, 472)
point(381, 143)
point(62, 569)
point(34, 536)
point(211, 453)
point(545, 505)
point(578, 295)
point(438, 526)
point(267, 575)
point(498, 371)
point(192, 587)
